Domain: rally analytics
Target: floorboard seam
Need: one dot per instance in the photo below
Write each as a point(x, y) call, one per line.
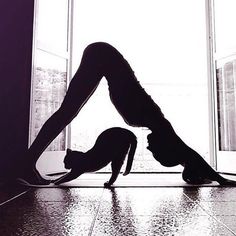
point(95, 217)
point(227, 227)
point(13, 198)
point(212, 216)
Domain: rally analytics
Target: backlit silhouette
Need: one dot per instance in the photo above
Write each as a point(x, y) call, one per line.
point(112, 145)
point(135, 106)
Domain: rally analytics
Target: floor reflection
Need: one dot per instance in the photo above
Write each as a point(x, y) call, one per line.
point(121, 211)
point(119, 215)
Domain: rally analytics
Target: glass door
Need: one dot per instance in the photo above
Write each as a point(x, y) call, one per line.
point(51, 71)
point(223, 60)
point(165, 43)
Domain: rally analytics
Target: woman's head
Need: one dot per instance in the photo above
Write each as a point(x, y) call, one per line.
point(164, 150)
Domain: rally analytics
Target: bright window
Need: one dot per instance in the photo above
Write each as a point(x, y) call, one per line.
point(165, 44)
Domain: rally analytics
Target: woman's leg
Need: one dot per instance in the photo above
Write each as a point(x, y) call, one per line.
point(73, 102)
point(80, 89)
point(130, 99)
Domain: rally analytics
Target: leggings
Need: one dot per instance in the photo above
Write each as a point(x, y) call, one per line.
point(132, 102)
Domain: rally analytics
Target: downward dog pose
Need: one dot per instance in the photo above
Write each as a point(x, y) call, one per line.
point(135, 106)
point(112, 145)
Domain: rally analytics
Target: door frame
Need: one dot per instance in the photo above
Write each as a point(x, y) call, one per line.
point(212, 99)
point(48, 162)
point(222, 161)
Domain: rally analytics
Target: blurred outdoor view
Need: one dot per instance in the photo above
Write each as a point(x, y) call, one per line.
point(226, 73)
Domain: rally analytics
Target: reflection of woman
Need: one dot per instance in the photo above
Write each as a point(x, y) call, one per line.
point(130, 99)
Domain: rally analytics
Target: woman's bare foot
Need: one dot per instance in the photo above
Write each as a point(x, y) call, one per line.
point(30, 176)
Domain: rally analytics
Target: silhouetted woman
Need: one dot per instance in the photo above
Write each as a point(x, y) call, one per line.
point(132, 102)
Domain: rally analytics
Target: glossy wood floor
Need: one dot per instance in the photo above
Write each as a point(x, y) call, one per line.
point(200, 211)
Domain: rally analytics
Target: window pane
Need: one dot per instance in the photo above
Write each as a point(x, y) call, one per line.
point(52, 24)
point(225, 38)
point(225, 32)
point(226, 84)
point(49, 87)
